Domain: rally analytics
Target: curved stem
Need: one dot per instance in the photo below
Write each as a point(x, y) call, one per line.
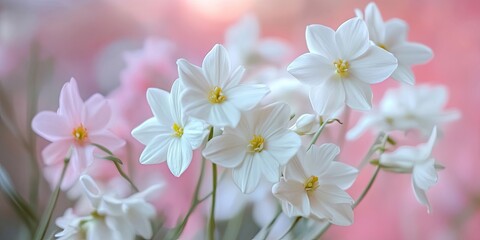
point(125, 176)
point(42, 228)
point(211, 228)
point(317, 134)
point(369, 185)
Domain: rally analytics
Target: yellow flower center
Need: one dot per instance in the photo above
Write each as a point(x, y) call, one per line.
point(382, 46)
point(80, 133)
point(311, 184)
point(178, 131)
point(97, 215)
point(256, 144)
point(216, 96)
point(341, 67)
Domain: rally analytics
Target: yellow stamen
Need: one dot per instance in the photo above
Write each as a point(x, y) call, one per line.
point(216, 96)
point(341, 67)
point(178, 131)
point(382, 46)
point(80, 133)
point(311, 184)
point(256, 144)
point(97, 215)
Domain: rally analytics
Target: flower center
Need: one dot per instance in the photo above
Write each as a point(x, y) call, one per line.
point(311, 184)
point(216, 96)
point(80, 133)
point(341, 67)
point(97, 215)
point(178, 131)
point(256, 144)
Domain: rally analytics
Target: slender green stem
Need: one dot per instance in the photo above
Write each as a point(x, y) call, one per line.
point(125, 176)
point(47, 216)
point(317, 134)
point(291, 227)
point(369, 185)
point(211, 231)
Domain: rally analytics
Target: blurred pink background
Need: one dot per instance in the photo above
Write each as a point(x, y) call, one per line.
point(87, 40)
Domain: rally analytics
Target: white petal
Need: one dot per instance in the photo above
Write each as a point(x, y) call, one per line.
point(328, 98)
point(195, 132)
point(374, 66)
point(140, 222)
point(324, 208)
point(424, 174)
point(160, 105)
point(97, 229)
point(404, 74)
point(294, 193)
point(272, 118)
point(363, 124)
point(148, 130)
point(179, 156)
point(421, 196)
point(339, 174)
point(358, 95)
point(247, 175)
point(91, 190)
point(216, 66)
point(294, 170)
point(282, 146)
point(352, 38)
point(246, 97)
point(401, 160)
point(318, 159)
point(235, 78)
point(156, 150)
point(321, 41)
point(226, 150)
point(269, 166)
point(412, 53)
point(224, 114)
point(175, 103)
point(395, 32)
point(192, 76)
point(374, 21)
point(312, 69)
point(426, 149)
point(195, 103)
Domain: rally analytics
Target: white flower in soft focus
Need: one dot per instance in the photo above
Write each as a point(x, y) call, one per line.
point(392, 36)
point(407, 108)
point(418, 161)
point(314, 186)
point(213, 93)
point(247, 48)
point(341, 66)
point(260, 144)
point(112, 218)
point(170, 135)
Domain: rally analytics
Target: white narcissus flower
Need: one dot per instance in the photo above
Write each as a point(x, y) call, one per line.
point(112, 218)
point(341, 66)
point(213, 93)
point(408, 108)
point(170, 135)
point(247, 48)
point(392, 36)
point(314, 186)
point(419, 162)
point(259, 145)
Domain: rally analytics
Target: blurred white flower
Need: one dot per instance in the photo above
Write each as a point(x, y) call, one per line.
point(306, 124)
point(418, 161)
point(247, 48)
point(170, 135)
point(314, 186)
point(260, 144)
point(406, 108)
point(213, 93)
point(341, 66)
point(392, 36)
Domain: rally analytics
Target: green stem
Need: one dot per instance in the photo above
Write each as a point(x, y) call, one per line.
point(317, 134)
point(369, 185)
point(47, 216)
point(211, 232)
point(125, 176)
point(291, 227)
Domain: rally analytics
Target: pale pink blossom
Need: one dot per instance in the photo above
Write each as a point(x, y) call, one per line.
point(72, 129)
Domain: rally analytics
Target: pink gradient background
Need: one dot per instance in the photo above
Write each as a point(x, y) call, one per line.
point(81, 38)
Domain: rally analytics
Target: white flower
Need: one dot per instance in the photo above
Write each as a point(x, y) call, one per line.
point(306, 124)
point(418, 161)
point(247, 48)
point(260, 144)
point(406, 108)
point(112, 218)
point(341, 66)
point(213, 93)
point(314, 186)
point(170, 135)
point(392, 36)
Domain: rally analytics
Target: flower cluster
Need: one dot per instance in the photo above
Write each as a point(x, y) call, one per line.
point(219, 111)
